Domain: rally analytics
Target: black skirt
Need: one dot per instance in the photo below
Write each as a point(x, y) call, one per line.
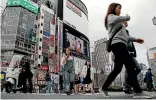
point(87, 80)
point(77, 82)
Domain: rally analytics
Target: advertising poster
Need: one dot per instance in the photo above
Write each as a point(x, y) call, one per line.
point(41, 75)
point(75, 43)
point(154, 55)
point(58, 46)
point(52, 44)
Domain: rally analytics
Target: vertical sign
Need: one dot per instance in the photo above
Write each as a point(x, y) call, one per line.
point(58, 46)
point(52, 44)
point(61, 39)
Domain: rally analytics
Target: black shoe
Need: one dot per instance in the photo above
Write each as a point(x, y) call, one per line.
point(128, 91)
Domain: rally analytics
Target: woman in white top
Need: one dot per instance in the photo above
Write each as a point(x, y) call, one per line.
point(86, 73)
point(68, 71)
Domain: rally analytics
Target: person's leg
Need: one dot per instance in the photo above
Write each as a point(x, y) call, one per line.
point(127, 88)
point(66, 81)
point(118, 64)
point(130, 67)
point(30, 84)
point(49, 86)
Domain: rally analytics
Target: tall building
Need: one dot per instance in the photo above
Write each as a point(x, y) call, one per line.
point(102, 63)
point(18, 29)
point(151, 58)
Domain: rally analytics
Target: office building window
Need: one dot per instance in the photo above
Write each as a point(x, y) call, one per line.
point(23, 26)
point(10, 23)
point(29, 46)
point(9, 31)
point(39, 56)
point(22, 34)
point(25, 45)
point(39, 47)
point(25, 17)
point(41, 24)
point(6, 42)
point(41, 31)
point(40, 39)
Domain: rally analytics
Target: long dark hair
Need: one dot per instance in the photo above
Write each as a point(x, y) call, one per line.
point(111, 10)
point(69, 50)
point(86, 64)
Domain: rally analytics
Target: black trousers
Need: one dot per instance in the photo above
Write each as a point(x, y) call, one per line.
point(28, 76)
point(126, 84)
point(122, 57)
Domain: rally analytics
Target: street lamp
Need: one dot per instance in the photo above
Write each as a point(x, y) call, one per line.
point(154, 20)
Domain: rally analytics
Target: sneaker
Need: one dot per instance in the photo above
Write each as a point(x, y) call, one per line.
point(105, 93)
point(128, 91)
point(142, 96)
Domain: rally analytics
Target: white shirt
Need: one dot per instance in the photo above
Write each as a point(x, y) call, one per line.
point(56, 79)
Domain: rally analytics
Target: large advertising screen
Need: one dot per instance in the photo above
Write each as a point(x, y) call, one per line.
point(78, 45)
point(75, 43)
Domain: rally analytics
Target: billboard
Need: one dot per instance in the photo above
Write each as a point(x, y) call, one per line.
point(78, 18)
point(155, 55)
point(24, 3)
point(152, 53)
point(74, 43)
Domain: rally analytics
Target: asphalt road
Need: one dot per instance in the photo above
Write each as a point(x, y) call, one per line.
point(114, 95)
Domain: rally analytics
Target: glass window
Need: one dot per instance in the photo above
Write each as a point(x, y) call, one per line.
point(6, 42)
point(23, 26)
point(39, 47)
point(29, 46)
point(39, 56)
point(25, 17)
point(22, 34)
point(17, 43)
point(10, 23)
point(25, 45)
point(41, 24)
point(41, 31)
point(40, 39)
point(12, 41)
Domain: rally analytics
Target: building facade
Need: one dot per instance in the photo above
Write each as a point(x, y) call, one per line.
point(151, 58)
point(102, 63)
point(18, 31)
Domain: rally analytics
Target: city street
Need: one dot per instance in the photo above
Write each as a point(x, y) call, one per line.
point(114, 95)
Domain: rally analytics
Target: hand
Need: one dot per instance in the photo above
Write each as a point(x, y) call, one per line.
point(64, 62)
point(139, 40)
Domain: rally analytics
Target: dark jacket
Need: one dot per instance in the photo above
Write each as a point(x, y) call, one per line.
point(131, 47)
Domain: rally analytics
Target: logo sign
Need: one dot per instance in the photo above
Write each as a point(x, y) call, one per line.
point(24, 3)
point(74, 8)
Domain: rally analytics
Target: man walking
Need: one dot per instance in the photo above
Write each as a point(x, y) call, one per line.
point(48, 81)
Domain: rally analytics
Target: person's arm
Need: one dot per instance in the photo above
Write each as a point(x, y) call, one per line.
point(62, 62)
point(114, 19)
point(131, 39)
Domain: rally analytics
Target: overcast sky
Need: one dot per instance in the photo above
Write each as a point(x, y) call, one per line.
point(140, 25)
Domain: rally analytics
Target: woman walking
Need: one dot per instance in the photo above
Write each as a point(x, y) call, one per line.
point(86, 73)
point(113, 21)
point(68, 71)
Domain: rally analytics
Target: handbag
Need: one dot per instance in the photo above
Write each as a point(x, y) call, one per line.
point(108, 43)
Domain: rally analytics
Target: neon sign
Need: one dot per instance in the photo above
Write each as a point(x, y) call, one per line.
point(24, 3)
